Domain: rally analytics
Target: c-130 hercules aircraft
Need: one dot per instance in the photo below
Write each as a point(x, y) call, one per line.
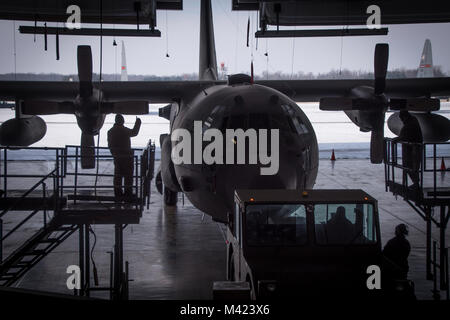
point(242, 103)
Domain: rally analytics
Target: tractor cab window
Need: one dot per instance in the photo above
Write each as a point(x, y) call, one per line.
point(344, 224)
point(275, 224)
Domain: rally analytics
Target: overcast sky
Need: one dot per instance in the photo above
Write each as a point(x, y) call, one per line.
point(181, 31)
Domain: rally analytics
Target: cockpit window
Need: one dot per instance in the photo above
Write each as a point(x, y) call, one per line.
point(278, 121)
point(283, 224)
point(214, 119)
point(344, 224)
point(299, 126)
point(296, 124)
point(245, 121)
point(258, 121)
point(238, 121)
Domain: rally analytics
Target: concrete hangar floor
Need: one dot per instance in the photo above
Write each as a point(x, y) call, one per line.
point(177, 253)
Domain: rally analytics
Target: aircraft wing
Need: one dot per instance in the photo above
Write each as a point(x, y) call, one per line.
point(313, 90)
point(167, 91)
point(153, 91)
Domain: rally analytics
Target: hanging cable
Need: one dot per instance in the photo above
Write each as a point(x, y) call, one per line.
point(248, 30)
point(236, 44)
point(115, 61)
point(342, 36)
point(255, 29)
point(35, 26)
point(57, 41)
point(267, 59)
point(100, 97)
point(14, 50)
point(115, 49)
point(293, 55)
point(340, 58)
point(45, 36)
point(92, 256)
point(167, 35)
point(252, 76)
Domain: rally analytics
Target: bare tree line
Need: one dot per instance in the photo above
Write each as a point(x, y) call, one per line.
point(279, 75)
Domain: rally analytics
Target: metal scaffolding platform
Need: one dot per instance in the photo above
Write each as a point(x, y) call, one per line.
point(430, 194)
point(69, 202)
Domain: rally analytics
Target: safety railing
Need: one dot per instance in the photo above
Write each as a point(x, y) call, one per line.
point(143, 167)
point(56, 190)
point(436, 265)
point(102, 155)
point(8, 155)
point(42, 185)
point(17, 202)
point(428, 153)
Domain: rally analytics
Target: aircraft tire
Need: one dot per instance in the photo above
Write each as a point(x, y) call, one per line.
point(159, 183)
point(170, 197)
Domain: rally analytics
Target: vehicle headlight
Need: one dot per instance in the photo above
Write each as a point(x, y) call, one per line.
point(271, 286)
point(267, 287)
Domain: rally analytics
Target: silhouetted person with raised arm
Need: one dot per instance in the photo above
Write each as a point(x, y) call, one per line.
point(397, 251)
point(119, 144)
point(411, 154)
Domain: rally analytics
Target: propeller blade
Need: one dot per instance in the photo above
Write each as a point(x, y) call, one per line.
point(415, 104)
point(336, 104)
point(84, 60)
point(87, 151)
point(377, 145)
point(125, 107)
point(380, 66)
point(164, 112)
point(43, 107)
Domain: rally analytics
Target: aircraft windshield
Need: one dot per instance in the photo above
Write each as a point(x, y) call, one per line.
point(337, 224)
point(276, 224)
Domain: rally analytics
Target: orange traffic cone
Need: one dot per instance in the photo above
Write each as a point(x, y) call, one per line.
point(333, 158)
point(443, 168)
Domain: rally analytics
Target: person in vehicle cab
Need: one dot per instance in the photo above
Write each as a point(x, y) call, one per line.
point(339, 230)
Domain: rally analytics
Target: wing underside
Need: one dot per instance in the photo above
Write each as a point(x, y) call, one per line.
point(167, 91)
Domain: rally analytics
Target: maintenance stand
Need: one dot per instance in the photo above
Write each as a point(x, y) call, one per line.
point(69, 204)
point(430, 195)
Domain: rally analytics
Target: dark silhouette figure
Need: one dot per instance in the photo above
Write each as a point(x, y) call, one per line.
point(411, 154)
point(120, 146)
point(397, 251)
point(339, 229)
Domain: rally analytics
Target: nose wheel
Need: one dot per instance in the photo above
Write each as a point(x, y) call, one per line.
point(170, 197)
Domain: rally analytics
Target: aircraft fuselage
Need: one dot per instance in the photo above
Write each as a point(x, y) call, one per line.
point(211, 187)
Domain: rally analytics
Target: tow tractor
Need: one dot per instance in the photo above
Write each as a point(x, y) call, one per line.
point(305, 243)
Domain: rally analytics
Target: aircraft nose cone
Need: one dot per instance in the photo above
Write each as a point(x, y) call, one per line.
point(275, 182)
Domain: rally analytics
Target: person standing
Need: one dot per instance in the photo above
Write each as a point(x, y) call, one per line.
point(119, 144)
point(411, 136)
point(397, 251)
